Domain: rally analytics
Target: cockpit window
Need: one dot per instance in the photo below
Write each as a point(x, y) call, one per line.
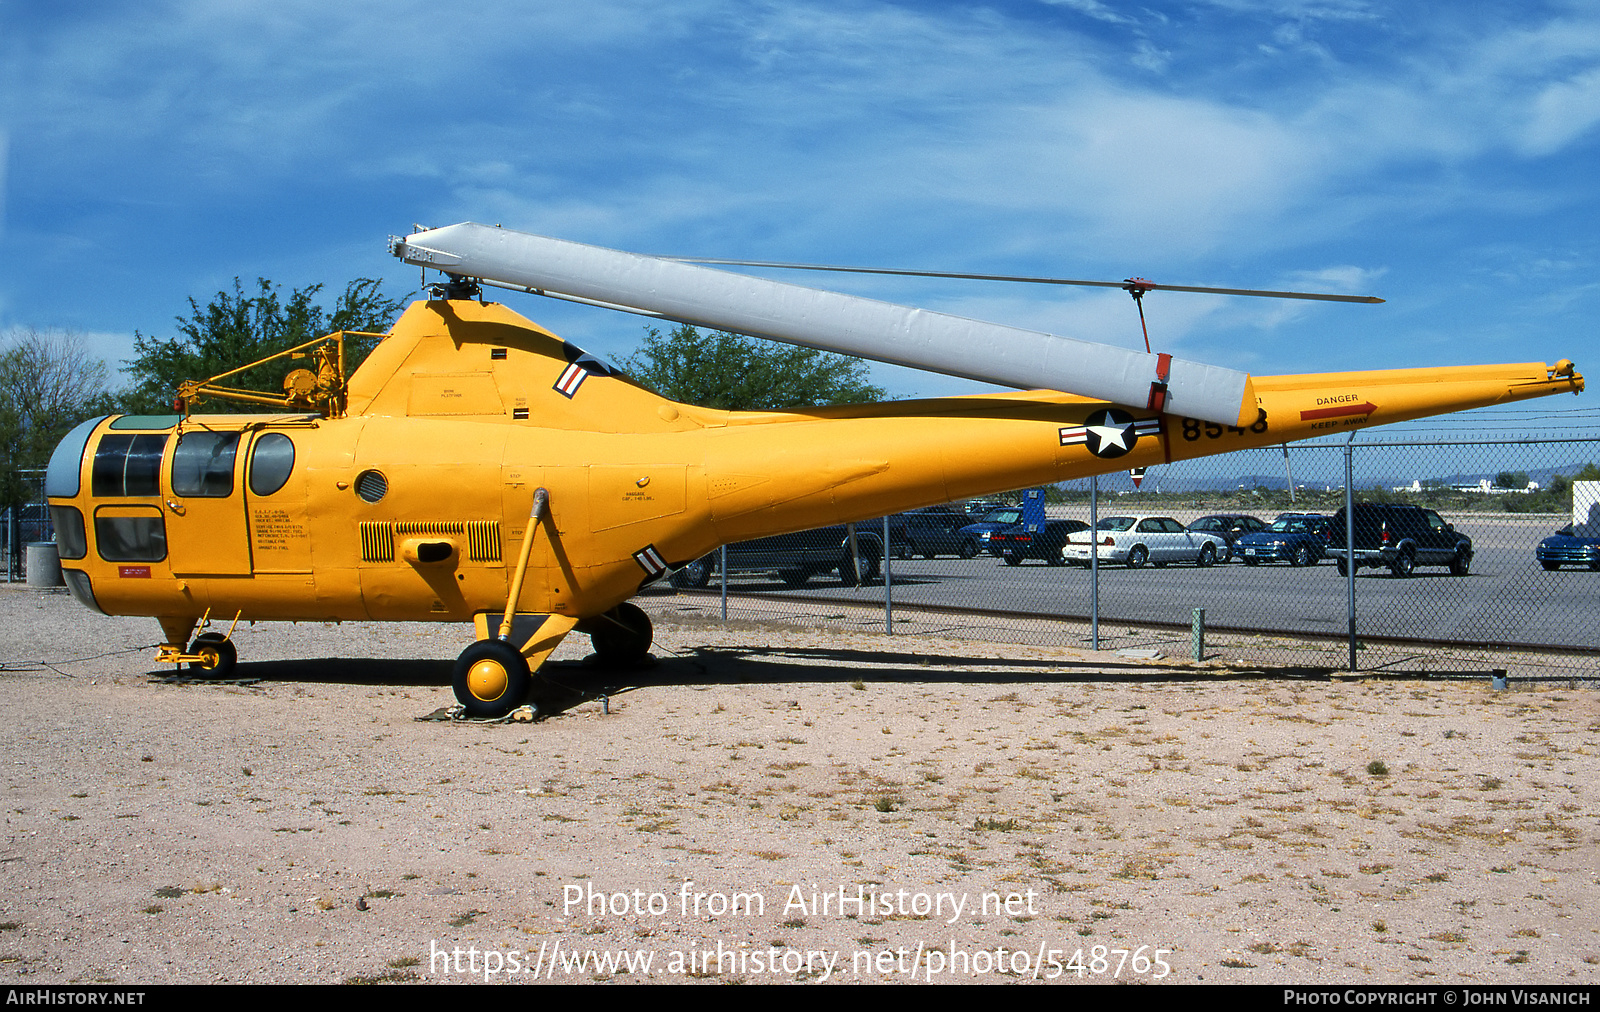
point(202, 465)
point(127, 465)
point(270, 463)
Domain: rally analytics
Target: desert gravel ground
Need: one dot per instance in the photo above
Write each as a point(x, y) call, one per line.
point(1219, 825)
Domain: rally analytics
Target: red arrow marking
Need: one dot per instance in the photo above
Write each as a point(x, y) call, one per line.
point(1343, 409)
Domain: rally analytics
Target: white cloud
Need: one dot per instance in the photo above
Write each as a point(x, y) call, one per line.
point(1562, 112)
point(1093, 9)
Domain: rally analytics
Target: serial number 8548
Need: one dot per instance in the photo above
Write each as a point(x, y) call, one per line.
point(1193, 427)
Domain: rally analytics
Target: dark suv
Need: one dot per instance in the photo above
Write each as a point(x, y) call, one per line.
point(797, 557)
point(1402, 538)
point(930, 532)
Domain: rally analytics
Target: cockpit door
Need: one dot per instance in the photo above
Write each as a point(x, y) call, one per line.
point(203, 496)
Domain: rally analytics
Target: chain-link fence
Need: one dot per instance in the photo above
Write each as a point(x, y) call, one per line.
point(23, 524)
point(1474, 598)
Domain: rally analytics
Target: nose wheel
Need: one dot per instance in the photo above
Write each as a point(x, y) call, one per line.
point(215, 656)
point(491, 679)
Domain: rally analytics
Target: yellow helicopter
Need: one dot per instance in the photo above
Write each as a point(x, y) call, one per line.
point(477, 468)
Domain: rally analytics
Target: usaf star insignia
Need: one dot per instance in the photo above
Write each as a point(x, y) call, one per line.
point(1109, 433)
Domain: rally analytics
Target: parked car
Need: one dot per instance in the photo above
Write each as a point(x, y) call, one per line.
point(1300, 539)
point(1030, 513)
point(1135, 540)
point(1230, 527)
point(977, 509)
point(1028, 541)
point(1401, 538)
point(931, 532)
point(1320, 521)
point(798, 557)
point(975, 537)
point(1564, 548)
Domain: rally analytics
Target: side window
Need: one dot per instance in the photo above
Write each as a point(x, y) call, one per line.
point(130, 534)
point(202, 465)
point(70, 539)
point(127, 465)
point(270, 463)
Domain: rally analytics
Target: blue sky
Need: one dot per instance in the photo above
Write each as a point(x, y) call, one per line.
point(1440, 155)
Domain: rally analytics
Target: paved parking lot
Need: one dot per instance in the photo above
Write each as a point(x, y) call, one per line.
point(1506, 599)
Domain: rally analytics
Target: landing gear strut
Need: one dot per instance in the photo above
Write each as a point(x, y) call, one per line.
point(209, 655)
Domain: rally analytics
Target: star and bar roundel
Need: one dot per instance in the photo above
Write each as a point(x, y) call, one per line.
point(1109, 432)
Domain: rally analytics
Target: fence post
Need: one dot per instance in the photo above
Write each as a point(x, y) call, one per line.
point(723, 569)
point(1350, 544)
point(1094, 562)
point(888, 582)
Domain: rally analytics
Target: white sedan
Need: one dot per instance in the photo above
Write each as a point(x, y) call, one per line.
point(1133, 541)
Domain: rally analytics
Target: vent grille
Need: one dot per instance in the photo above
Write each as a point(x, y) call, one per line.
point(377, 541)
point(483, 540)
point(378, 537)
point(371, 485)
point(428, 527)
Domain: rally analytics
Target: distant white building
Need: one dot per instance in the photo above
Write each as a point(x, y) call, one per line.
point(1484, 485)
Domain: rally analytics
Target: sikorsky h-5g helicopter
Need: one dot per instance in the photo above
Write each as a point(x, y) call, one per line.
point(477, 468)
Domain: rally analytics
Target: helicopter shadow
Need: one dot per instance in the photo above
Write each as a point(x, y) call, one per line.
point(830, 665)
point(563, 685)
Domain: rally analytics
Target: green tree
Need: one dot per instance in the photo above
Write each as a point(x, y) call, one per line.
point(48, 384)
point(235, 329)
point(1511, 479)
point(722, 370)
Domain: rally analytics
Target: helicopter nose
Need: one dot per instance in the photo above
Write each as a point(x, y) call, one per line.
point(64, 475)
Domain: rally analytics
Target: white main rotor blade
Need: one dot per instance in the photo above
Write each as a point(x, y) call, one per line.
point(830, 321)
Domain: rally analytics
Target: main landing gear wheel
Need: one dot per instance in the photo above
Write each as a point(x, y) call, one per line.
point(491, 679)
point(695, 574)
point(623, 635)
point(218, 657)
